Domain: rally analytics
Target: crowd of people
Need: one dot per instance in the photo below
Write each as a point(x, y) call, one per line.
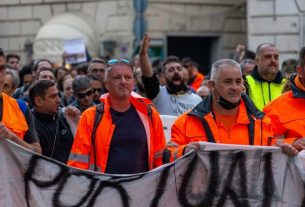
point(104, 114)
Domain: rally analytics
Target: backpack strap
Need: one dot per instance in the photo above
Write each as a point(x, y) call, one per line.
point(98, 117)
point(149, 110)
point(207, 130)
point(99, 112)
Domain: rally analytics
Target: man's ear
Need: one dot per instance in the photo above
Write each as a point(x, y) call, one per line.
point(256, 60)
point(38, 101)
point(211, 84)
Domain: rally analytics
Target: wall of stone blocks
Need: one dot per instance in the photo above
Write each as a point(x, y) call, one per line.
point(280, 22)
point(21, 19)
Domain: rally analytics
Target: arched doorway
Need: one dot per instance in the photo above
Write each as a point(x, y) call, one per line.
point(50, 38)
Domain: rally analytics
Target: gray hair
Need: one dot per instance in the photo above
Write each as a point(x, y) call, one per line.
point(217, 66)
point(15, 77)
point(246, 61)
point(109, 67)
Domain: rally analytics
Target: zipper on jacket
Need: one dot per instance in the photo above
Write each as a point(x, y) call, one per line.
point(269, 92)
point(263, 94)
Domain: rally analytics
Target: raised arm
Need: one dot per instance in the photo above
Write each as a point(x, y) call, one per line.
point(150, 81)
point(144, 60)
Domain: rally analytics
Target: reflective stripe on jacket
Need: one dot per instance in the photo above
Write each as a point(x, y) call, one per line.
point(12, 116)
point(287, 114)
point(251, 127)
point(81, 155)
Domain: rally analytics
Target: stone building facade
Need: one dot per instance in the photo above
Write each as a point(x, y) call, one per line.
point(212, 27)
point(281, 22)
point(224, 20)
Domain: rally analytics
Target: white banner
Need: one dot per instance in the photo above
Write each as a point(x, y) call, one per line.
point(218, 175)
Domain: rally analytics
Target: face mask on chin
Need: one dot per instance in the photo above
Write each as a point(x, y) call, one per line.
point(226, 104)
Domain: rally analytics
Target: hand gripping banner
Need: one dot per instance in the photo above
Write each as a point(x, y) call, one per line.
point(216, 175)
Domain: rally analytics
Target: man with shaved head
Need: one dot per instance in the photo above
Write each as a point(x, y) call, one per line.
point(266, 80)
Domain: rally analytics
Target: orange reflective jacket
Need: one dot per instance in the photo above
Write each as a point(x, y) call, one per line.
point(251, 128)
point(13, 117)
point(287, 114)
point(81, 155)
point(198, 81)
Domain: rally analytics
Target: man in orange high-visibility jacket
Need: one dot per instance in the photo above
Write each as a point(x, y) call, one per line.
point(227, 116)
point(16, 121)
point(287, 112)
point(129, 138)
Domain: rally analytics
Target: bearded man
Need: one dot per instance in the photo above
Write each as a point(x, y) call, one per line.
point(175, 97)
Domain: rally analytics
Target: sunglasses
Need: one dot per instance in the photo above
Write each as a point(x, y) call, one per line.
point(83, 95)
point(97, 90)
point(116, 61)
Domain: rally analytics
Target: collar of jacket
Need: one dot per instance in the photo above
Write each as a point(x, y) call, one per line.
point(205, 107)
point(138, 101)
point(296, 92)
point(278, 78)
point(43, 116)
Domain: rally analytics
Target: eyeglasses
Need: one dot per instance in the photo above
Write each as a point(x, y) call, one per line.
point(99, 90)
point(83, 95)
point(116, 61)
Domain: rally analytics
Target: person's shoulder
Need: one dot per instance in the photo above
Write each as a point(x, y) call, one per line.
point(192, 95)
point(195, 95)
point(185, 116)
point(90, 111)
point(287, 96)
point(280, 103)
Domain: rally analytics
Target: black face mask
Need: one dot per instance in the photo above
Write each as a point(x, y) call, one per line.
point(226, 104)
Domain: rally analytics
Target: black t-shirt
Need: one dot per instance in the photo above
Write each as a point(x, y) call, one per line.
point(128, 151)
point(30, 135)
point(151, 86)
